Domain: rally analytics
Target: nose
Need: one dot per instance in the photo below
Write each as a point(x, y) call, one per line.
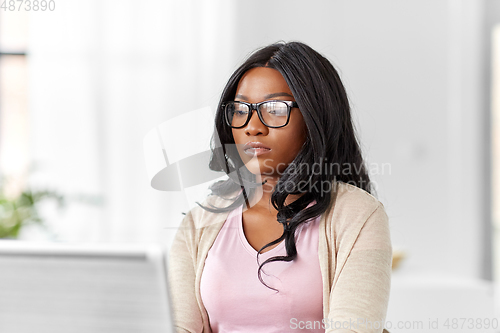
point(255, 126)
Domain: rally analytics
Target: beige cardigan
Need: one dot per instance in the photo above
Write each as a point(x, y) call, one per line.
point(355, 257)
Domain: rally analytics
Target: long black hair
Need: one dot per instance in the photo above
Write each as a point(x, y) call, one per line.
point(330, 153)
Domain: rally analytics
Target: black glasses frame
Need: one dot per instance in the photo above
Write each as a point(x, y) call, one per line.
point(256, 107)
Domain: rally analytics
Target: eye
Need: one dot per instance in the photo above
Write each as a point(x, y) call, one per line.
point(240, 109)
point(236, 110)
point(278, 109)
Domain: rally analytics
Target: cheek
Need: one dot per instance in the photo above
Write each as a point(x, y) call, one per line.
point(239, 140)
point(235, 135)
point(296, 138)
point(291, 146)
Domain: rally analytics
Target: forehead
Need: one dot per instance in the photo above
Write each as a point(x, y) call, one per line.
point(257, 83)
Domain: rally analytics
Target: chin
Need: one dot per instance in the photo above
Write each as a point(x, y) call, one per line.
point(254, 170)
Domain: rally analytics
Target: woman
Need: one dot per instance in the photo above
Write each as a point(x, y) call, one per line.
point(293, 239)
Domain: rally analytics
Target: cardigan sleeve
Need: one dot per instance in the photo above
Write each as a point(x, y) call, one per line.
point(360, 293)
point(182, 277)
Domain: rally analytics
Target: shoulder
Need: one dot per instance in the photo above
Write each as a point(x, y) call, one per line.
point(352, 197)
point(199, 218)
point(352, 207)
point(199, 227)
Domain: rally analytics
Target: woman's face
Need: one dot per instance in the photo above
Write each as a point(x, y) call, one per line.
point(280, 145)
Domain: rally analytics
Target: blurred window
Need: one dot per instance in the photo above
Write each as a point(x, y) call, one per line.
point(14, 117)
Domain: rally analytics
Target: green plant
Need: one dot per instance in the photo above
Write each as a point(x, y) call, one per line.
point(21, 210)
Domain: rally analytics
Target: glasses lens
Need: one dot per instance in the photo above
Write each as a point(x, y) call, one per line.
point(236, 113)
point(274, 113)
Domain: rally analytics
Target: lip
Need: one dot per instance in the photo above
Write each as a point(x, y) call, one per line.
point(255, 149)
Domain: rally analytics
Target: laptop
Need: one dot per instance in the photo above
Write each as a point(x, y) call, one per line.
point(73, 288)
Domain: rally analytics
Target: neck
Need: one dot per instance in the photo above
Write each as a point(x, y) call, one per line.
point(262, 198)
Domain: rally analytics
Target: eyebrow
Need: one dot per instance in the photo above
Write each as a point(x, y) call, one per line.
point(267, 96)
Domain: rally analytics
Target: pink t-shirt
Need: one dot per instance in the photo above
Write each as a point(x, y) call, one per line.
point(235, 299)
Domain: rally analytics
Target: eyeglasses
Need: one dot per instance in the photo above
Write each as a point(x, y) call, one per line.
point(272, 113)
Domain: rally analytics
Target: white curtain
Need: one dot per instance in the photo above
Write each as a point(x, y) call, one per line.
point(102, 74)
